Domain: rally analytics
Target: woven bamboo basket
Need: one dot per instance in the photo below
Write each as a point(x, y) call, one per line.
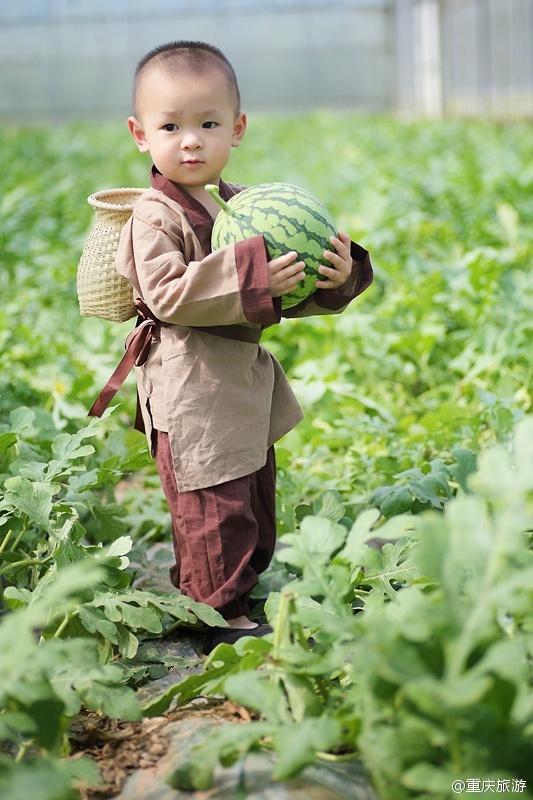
point(102, 292)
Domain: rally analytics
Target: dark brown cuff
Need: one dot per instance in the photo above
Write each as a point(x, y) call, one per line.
point(359, 280)
point(251, 258)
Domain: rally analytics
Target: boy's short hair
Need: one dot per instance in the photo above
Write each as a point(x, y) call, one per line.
point(185, 55)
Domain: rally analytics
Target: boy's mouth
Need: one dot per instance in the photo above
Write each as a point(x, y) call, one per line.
point(192, 162)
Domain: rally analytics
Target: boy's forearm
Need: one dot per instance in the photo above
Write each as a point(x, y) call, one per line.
point(227, 287)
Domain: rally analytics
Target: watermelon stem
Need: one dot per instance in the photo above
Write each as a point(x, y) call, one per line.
point(213, 191)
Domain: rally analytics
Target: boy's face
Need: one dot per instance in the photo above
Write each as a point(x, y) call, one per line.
point(187, 124)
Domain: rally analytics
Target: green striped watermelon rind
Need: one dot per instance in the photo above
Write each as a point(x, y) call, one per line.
point(281, 231)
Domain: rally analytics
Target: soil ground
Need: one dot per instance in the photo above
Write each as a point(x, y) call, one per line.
point(121, 748)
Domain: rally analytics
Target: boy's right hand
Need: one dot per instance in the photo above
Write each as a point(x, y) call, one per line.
point(284, 274)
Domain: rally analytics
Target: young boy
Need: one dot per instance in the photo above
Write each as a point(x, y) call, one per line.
point(211, 400)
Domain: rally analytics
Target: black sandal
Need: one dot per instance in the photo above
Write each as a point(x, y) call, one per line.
point(218, 635)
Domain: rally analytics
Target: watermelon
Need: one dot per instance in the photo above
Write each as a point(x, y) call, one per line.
point(289, 218)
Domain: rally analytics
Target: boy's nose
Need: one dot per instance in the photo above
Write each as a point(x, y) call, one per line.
point(190, 141)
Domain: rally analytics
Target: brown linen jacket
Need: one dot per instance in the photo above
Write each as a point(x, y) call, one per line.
point(221, 396)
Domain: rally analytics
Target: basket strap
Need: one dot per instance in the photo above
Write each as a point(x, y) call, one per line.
point(137, 348)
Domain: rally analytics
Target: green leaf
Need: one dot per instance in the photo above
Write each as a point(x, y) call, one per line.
point(231, 743)
point(7, 440)
point(392, 500)
point(471, 533)
point(297, 743)
point(16, 598)
point(206, 614)
point(55, 590)
point(301, 695)
point(220, 663)
point(127, 642)
point(329, 505)
point(94, 621)
point(45, 779)
point(506, 659)
point(47, 716)
point(358, 535)
point(83, 770)
point(21, 420)
point(465, 465)
point(428, 778)
point(467, 690)
point(117, 702)
point(109, 522)
point(141, 618)
point(302, 510)
point(424, 491)
point(69, 447)
point(32, 498)
point(257, 691)
point(120, 547)
point(509, 220)
point(432, 547)
point(321, 537)
point(523, 453)
point(15, 723)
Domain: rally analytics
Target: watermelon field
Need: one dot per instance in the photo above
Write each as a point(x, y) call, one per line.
point(401, 592)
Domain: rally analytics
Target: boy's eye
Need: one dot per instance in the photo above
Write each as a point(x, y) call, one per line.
point(170, 126)
point(210, 124)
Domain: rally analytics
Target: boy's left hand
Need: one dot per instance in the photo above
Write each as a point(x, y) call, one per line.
point(341, 262)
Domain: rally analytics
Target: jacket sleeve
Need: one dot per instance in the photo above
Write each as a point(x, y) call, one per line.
point(229, 286)
point(333, 301)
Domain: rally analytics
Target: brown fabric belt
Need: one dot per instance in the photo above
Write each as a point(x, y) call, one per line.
point(138, 347)
point(239, 332)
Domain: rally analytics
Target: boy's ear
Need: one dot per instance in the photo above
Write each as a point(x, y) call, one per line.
point(136, 130)
point(239, 129)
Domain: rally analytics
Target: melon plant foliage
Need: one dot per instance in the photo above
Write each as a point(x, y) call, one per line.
point(432, 682)
point(401, 394)
point(72, 629)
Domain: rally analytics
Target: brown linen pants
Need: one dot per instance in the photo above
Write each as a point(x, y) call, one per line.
point(223, 535)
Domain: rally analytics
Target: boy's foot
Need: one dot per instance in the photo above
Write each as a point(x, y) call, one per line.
point(241, 622)
point(231, 635)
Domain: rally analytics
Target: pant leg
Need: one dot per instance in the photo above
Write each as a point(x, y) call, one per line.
point(264, 507)
point(163, 459)
point(216, 534)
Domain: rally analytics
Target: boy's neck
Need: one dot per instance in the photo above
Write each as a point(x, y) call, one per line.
point(199, 193)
